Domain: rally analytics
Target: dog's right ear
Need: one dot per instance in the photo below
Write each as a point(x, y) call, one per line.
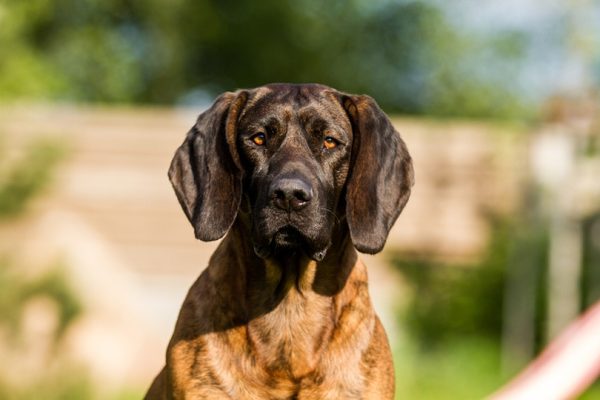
point(205, 171)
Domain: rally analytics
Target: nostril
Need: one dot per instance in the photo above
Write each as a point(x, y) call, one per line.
point(303, 195)
point(280, 199)
point(279, 194)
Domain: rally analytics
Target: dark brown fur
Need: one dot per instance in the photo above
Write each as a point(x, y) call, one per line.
point(278, 315)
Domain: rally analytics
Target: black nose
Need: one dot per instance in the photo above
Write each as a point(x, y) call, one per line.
point(290, 193)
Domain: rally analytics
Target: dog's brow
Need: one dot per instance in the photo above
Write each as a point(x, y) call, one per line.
point(311, 115)
point(318, 124)
point(266, 121)
point(271, 121)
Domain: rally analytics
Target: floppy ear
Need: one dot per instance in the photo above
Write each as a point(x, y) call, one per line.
point(380, 178)
point(205, 170)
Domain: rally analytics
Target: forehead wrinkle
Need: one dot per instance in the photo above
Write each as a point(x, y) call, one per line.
point(309, 114)
point(326, 115)
point(295, 132)
point(255, 101)
point(288, 112)
point(264, 113)
point(304, 96)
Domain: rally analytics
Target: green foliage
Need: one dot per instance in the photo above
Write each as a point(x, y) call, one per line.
point(454, 315)
point(25, 71)
point(450, 301)
point(592, 393)
point(17, 291)
point(465, 369)
point(403, 53)
point(21, 181)
point(59, 381)
point(590, 277)
point(64, 384)
point(67, 383)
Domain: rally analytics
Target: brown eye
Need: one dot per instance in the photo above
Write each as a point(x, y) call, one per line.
point(329, 143)
point(259, 139)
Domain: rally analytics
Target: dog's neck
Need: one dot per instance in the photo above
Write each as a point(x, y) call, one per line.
point(268, 281)
point(291, 303)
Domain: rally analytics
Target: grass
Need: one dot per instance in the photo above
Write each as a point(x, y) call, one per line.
point(464, 369)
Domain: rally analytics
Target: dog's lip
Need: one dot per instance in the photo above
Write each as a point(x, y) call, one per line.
point(289, 238)
point(284, 236)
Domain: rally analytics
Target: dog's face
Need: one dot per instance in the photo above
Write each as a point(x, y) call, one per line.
point(302, 158)
point(295, 146)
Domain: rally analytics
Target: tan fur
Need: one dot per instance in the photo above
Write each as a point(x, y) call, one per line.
point(312, 345)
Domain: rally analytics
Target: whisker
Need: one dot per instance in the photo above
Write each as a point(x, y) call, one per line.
point(337, 219)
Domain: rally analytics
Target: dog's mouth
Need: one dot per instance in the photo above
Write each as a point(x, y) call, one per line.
point(289, 240)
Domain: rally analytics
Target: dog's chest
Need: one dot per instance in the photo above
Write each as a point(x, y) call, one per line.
point(289, 340)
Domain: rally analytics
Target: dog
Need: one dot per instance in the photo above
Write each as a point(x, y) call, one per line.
point(297, 178)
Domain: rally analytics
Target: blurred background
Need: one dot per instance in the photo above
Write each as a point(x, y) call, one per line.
point(496, 252)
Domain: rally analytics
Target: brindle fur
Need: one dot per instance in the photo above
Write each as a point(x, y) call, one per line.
point(270, 319)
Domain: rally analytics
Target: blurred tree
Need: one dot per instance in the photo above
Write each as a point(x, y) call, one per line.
point(17, 291)
point(451, 301)
point(22, 180)
point(403, 53)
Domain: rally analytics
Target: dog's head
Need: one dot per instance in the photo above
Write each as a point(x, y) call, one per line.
point(301, 158)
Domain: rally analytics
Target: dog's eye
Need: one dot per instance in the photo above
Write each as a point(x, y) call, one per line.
point(329, 142)
point(259, 139)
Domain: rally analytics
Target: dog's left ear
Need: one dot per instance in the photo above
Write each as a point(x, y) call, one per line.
point(205, 171)
point(381, 177)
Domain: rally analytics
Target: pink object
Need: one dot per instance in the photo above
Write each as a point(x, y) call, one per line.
point(566, 367)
